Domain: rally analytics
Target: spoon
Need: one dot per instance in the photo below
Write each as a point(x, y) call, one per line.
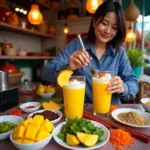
point(92, 70)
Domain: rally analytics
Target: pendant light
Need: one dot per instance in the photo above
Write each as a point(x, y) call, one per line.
point(34, 16)
point(132, 12)
point(130, 36)
point(92, 5)
point(66, 30)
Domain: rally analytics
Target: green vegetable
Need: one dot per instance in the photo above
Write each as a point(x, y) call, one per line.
point(80, 125)
point(7, 126)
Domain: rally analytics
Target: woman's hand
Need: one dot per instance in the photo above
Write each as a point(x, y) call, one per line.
point(116, 85)
point(78, 59)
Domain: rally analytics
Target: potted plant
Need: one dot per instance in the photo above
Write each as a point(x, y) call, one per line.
point(136, 60)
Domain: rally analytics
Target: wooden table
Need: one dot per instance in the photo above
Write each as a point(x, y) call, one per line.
point(7, 145)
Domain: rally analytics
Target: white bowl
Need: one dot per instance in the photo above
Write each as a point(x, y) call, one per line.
point(33, 146)
point(145, 106)
point(10, 118)
point(24, 106)
point(46, 95)
point(53, 110)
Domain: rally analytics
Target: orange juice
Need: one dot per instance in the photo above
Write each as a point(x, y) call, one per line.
point(101, 96)
point(74, 100)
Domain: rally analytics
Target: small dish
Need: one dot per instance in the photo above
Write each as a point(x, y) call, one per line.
point(53, 110)
point(116, 112)
point(146, 106)
point(46, 95)
point(30, 107)
point(10, 118)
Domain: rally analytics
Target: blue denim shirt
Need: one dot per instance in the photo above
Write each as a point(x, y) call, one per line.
point(111, 60)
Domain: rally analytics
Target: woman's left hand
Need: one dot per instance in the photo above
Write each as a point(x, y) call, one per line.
point(116, 85)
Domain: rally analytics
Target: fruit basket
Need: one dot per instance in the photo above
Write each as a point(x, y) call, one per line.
point(14, 78)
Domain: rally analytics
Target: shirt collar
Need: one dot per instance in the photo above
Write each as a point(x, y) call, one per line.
point(110, 50)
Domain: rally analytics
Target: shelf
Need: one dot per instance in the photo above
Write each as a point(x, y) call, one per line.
point(75, 20)
point(27, 57)
point(26, 31)
point(44, 5)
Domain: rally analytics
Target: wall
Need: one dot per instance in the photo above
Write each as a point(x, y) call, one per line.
point(78, 26)
point(30, 43)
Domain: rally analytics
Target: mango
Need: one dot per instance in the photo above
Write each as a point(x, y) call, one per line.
point(35, 123)
point(32, 130)
point(19, 132)
point(87, 139)
point(38, 118)
point(47, 125)
point(42, 134)
point(72, 140)
point(27, 141)
point(18, 140)
point(31, 133)
point(50, 105)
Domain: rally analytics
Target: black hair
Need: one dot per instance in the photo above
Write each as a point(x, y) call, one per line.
point(102, 10)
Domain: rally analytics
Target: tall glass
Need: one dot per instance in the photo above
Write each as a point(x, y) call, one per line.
point(74, 94)
point(101, 95)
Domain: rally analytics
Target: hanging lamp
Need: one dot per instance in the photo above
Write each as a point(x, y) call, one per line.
point(34, 16)
point(66, 30)
point(130, 36)
point(92, 5)
point(132, 12)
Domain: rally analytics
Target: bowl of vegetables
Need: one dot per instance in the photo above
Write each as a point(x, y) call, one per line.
point(7, 124)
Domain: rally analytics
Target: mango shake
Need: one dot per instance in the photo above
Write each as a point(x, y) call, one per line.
point(74, 94)
point(101, 95)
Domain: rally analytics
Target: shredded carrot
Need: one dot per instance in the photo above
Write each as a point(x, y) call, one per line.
point(113, 107)
point(120, 138)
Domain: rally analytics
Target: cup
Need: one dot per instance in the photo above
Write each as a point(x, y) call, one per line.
point(101, 95)
point(74, 94)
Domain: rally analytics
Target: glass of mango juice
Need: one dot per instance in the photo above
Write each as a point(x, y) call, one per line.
point(101, 95)
point(74, 94)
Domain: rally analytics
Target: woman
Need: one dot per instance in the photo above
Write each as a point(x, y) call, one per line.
point(105, 37)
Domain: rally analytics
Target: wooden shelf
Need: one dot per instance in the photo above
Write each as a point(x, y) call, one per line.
point(44, 5)
point(27, 57)
point(25, 31)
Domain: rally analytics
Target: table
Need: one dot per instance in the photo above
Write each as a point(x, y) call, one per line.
point(7, 145)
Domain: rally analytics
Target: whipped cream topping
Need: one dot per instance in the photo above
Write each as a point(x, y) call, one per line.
point(74, 81)
point(106, 76)
point(75, 84)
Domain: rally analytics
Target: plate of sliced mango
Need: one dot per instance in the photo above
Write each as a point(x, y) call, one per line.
point(81, 134)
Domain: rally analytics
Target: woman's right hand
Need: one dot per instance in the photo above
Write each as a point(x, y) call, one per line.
point(79, 59)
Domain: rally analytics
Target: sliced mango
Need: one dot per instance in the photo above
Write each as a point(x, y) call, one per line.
point(51, 105)
point(63, 77)
point(82, 136)
point(72, 140)
point(47, 125)
point(31, 133)
point(87, 139)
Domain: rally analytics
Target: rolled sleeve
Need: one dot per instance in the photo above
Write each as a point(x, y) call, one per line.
point(53, 67)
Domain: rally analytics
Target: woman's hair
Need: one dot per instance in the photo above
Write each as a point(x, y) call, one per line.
point(102, 10)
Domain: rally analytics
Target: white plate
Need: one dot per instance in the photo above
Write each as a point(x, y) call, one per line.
point(29, 110)
point(53, 110)
point(123, 110)
point(105, 138)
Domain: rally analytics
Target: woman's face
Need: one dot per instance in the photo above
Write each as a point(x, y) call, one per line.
point(107, 29)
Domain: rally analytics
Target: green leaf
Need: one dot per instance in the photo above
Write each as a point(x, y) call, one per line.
point(136, 57)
